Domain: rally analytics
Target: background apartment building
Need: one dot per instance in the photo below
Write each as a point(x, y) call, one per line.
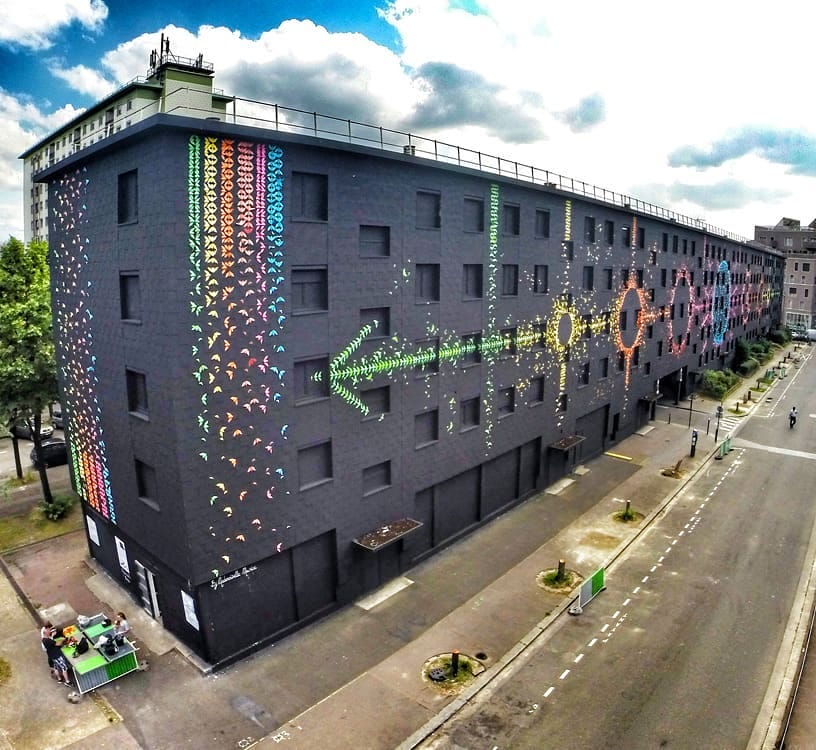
point(798, 243)
point(297, 355)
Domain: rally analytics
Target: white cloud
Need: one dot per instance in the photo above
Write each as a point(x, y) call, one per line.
point(25, 25)
point(629, 96)
point(85, 80)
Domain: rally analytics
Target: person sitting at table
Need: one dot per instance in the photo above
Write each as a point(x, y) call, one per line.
point(56, 660)
point(121, 628)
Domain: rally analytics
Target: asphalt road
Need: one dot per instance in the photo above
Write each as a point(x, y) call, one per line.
point(681, 647)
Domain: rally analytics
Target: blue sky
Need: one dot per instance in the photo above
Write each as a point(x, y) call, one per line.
point(699, 107)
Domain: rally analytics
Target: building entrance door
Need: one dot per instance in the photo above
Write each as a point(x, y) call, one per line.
point(148, 594)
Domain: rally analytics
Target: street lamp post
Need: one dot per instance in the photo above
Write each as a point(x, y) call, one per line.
point(719, 415)
point(691, 403)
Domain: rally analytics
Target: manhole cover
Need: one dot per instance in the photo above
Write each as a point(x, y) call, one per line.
point(436, 674)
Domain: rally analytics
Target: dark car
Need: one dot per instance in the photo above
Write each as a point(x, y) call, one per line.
point(23, 431)
point(54, 453)
point(56, 416)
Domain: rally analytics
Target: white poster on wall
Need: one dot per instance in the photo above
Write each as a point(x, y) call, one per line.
point(123, 561)
point(189, 609)
point(93, 532)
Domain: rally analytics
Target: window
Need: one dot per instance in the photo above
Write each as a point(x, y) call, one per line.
point(541, 281)
point(375, 242)
point(511, 219)
point(621, 361)
point(663, 277)
point(427, 282)
point(538, 335)
point(622, 321)
point(589, 278)
point(609, 232)
point(310, 290)
point(428, 210)
point(509, 280)
point(130, 297)
point(314, 465)
point(469, 409)
point(378, 401)
point(311, 379)
point(585, 374)
point(473, 215)
point(604, 367)
point(310, 196)
point(136, 392)
point(639, 275)
point(586, 325)
point(536, 390)
point(376, 478)
point(506, 401)
point(472, 281)
point(146, 487)
point(569, 250)
point(509, 339)
point(128, 197)
point(665, 243)
point(542, 223)
point(626, 236)
point(641, 237)
point(563, 402)
point(805, 266)
point(589, 229)
point(426, 428)
point(379, 318)
point(609, 276)
point(471, 349)
point(427, 352)
point(675, 240)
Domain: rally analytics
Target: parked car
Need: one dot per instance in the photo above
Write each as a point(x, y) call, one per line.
point(22, 430)
point(54, 453)
point(56, 416)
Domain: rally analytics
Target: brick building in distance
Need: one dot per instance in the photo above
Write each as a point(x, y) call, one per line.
point(299, 354)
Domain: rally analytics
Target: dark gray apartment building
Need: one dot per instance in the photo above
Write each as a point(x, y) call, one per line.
point(297, 355)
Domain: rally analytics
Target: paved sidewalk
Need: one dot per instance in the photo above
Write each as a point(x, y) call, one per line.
point(353, 679)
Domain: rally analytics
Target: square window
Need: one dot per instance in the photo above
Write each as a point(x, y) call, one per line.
point(146, 486)
point(310, 290)
point(506, 401)
point(469, 413)
point(589, 229)
point(310, 196)
point(377, 401)
point(541, 280)
point(427, 356)
point(376, 478)
point(130, 297)
point(380, 320)
point(509, 280)
point(471, 349)
point(472, 281)
point(473, 215)
point(128, 197)
point(537, 390)
point(314, 464)
point(511, 219)
point(588, 279)
point(542, 223)
point(426, 428)
point(428, 210)
point(426, 283)
point(136, 392)
point(311, 379)
point(509, 341)
point(375, 242)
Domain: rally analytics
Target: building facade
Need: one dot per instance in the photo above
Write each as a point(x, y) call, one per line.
point(292, 366)
point(798, 243)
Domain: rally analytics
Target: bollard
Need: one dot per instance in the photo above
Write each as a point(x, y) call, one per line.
point(455, 662)
point(562, 571)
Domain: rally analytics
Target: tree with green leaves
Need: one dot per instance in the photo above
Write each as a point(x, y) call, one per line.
point(28, 372)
